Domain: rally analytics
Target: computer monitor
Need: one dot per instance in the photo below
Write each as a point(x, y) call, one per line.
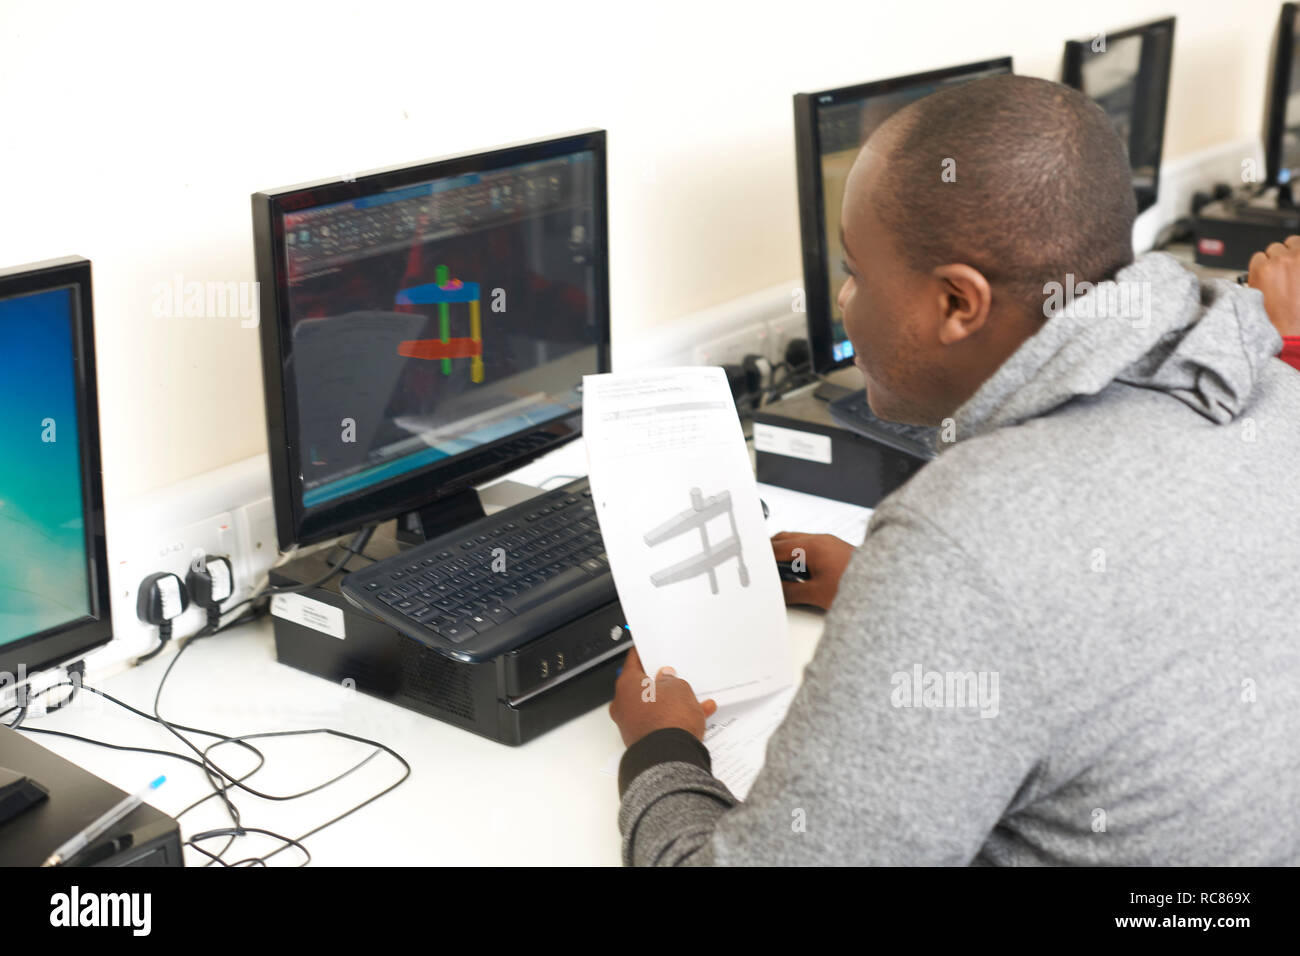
point(1282, 106)
point(54, 601)
point(830, 128)
point(1127, 74)
point(426, 328)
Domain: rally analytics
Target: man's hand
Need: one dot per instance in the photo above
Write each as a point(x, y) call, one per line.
point(823, 557)
point(642, 705)
point(1276, 273)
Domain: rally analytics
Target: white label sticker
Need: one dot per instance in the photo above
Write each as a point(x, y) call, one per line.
point(786, 441)
point(317, 615)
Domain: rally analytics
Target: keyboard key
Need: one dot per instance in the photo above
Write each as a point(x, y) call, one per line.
point(457, 632)
point(498, 613)
point(539, 595)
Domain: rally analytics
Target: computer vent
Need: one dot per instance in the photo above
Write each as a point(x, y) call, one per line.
point(436, 681)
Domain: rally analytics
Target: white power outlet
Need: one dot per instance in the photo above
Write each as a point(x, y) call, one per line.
point(226, 512)
point(782, 331)
point(731, 349)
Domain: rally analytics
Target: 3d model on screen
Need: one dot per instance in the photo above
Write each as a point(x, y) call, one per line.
point(698, 516)
point(442, 293)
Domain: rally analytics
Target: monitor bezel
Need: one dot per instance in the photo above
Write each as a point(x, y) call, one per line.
point(812, 213)
point(68, 641)
point(1076, 51)
point(1279, 75)
point(297, 525)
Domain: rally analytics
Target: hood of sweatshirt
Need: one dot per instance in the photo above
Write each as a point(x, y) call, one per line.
point(1155, 326)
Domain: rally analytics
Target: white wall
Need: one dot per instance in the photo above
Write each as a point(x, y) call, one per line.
point(134, 134)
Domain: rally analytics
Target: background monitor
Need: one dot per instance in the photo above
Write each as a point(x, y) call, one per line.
point(426, 328)
point(1282, 106)
point(830, 128)
point(1127, 74)
point(54, 601)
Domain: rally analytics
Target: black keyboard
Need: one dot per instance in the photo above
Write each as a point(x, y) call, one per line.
point(497, 582)
point(853, 412)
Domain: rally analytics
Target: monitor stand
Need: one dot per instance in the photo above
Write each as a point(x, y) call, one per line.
point(455, 511)
point(443, 515)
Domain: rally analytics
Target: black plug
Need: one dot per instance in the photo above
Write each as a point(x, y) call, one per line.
point(797, 354)
point(161, 599)
point(210, 585)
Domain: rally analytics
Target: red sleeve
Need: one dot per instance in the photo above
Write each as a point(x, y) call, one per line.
point(1291, 350)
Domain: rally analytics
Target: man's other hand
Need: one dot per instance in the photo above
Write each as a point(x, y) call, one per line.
point(823, 557)
point(642, 706)
point(1276, 273)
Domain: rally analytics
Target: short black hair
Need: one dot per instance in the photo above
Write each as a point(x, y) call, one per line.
point(1039, 185)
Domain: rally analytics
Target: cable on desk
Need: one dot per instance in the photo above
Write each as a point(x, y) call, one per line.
point(220, 780)
point(545, 481)
point(334, 733)
point(243, 739)
point(230, 807)
point(234, 833)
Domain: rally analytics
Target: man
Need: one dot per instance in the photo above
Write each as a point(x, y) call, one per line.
point(1072, 638)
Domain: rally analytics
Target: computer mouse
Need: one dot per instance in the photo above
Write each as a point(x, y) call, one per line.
point(787, 572)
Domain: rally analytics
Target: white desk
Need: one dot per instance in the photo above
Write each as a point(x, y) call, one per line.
point(468, 800)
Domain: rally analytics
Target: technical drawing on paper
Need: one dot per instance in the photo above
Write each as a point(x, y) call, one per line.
point(698, 515)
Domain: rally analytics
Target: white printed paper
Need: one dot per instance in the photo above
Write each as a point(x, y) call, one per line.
point(736, 737)
point(683, 527)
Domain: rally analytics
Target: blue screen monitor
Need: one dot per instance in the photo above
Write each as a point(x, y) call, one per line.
point(54, 602)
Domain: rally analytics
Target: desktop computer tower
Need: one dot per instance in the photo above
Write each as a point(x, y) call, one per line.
point(1230, 231)
point(76, 798)
point(797, 445)
point(513, 698)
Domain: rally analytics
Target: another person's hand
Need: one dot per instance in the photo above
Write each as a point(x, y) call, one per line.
point(824, 559)
point(1276, 273)
point(642, 706)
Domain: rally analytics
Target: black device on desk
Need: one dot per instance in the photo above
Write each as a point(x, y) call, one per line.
point(67, 800)
point(799, 445)
point(830, 129)
point(426, 329)
point(1229, 231)
point(1126, 73)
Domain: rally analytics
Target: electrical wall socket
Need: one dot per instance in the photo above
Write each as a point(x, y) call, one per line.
point(782, 331)
point(731, 349)
point(224, 512)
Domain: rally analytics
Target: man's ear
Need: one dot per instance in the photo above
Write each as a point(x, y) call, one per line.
point(964, 302)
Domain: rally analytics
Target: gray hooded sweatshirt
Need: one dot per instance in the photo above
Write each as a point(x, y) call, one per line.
point(1073, 638)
